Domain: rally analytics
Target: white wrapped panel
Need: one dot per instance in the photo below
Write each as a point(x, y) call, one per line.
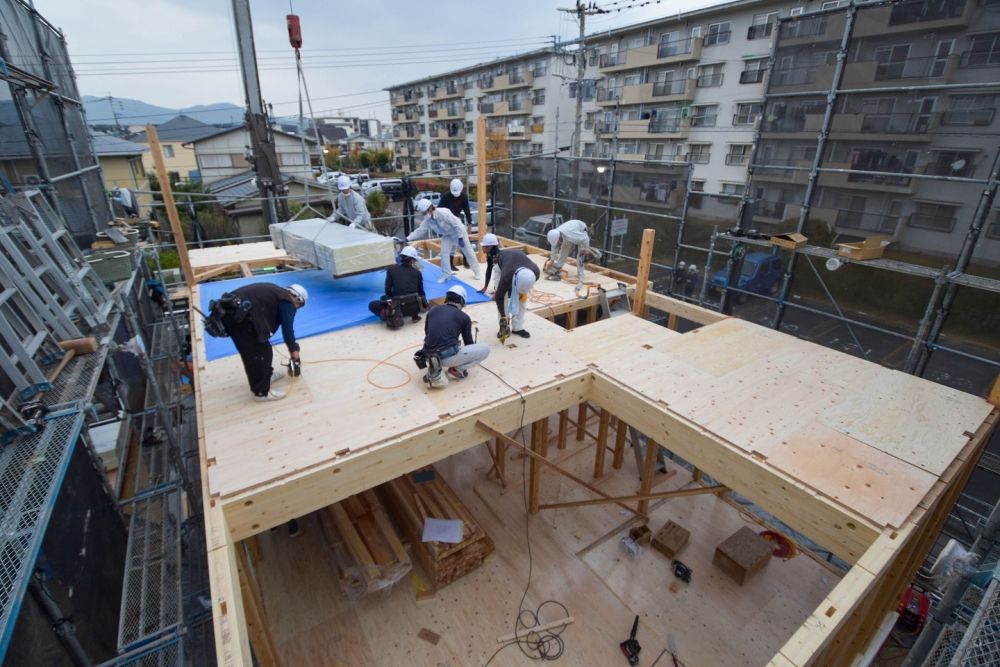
point(331, 246)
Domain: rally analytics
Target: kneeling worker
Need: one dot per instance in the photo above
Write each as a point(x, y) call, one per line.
point(404, 290)
point(517, 277)
point(570, 234)
point(445, 356)
point(264, 308)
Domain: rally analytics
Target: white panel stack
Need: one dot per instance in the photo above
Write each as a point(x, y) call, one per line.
point(334, 247)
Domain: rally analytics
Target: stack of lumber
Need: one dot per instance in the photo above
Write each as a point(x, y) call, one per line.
point(411, 502)
point(368, 552)
point(334, 247)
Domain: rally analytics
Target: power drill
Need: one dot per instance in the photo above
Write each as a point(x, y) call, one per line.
point(630, 647)
point(294, 368)
point(504, 332)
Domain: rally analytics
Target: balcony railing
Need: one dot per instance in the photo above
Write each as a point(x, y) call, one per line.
point(432, 113)
point(911, 68)
point(733, 159)
point(870, 222)
point(653, 157)
point(609, 94)
point(882, 179)
point(980, 58)
point(486, 107)
point(664, 125)
point(612, 59)
point(941, 223)
point(605, 126)
point(699, 158)
point(666, 88)
point(812, 26)
point(895, 123)
point(919, 11)
point(760, 31)
point(712, 38)
point(745, 119)
point(676, 47)
point(979, 117)
point(710, 80)
point(792, 123)
point(752, 76)
point(795, 76)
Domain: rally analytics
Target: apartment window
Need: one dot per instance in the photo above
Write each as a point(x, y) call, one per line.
point(469, 126)
point(468, 102)
point(935, 216)
point(762, 25)
point(747, 113)
point(830, 4)
point(168, 150)
point(738, 154)
point(710, 76)
point(969, 110)
point(536, 149)
point(984, 50)
point(541, 68)
point(588, 122)
point(717, 33)
point(704, 116)
point(694, 200)
point(589, 89)
point(538, 96)
point(291, 159)
point(699, 153)
point(952, 163)
point(753, 71)
point(732, 189)
point(215, 161)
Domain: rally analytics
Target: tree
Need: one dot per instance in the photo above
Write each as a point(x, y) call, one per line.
point(376, 203)
point(497, 151)
point(331, 155)
point(383, 159)
point(365, 159)
point(355, 154)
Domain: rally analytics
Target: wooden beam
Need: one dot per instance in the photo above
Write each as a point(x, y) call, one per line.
point(642, 497)
point(496, 463)
point(602, 444)
point(168, 202)
point(501, 449)
point(541, 459)
point(682, 309)
point(253, 604)
point(245, 270)
point(621, 433)
point(648, 468)
point(642, 275)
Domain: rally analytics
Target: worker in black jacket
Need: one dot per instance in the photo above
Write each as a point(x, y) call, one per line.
point(448, 338)
point(456, 201)
point(517, 278)
point(404, 289)
point(265, 307)
point(490, 245)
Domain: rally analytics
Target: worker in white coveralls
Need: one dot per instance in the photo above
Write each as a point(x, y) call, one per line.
point(443, 222)
point(570, 234)
point(517, 278)
point(351, 206)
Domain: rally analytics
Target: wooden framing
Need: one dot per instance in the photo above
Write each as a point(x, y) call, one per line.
point(168, 203)
point(883, 557)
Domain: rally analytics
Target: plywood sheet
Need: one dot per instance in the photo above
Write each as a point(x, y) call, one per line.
point(205, 258)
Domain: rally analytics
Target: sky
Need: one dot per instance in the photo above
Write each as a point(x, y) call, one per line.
point(178, 53)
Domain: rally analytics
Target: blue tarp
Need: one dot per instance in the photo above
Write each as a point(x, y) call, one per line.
point(334, 303)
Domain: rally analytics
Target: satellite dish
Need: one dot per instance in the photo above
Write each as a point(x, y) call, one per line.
point(958, 165)
point(833, 264)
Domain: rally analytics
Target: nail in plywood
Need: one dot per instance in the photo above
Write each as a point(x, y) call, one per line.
point(743, 554)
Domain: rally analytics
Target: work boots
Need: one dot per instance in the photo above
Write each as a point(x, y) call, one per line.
point(436, 378)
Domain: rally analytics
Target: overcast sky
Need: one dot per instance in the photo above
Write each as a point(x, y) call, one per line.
point(178, 53)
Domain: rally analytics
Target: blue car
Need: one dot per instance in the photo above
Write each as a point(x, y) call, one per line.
point(760, 273)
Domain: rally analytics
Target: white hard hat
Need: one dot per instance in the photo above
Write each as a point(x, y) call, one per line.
point(423, 205)
point(343, 183)
point(524, 280)
point(458, 290)
point(489, 239)
point(300, 292)
point(692, 268)
point(455, 187)
point(681, 265)
point(409, 251)
point(553, 236)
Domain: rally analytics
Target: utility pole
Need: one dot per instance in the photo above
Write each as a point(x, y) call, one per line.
point(264, 158)
point(111, 103)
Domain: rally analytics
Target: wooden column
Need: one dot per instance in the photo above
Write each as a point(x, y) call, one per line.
point(672, 321)
point(168, 202)
point(648, 468)
point(621, 432)
point(539, 445)
point(481, 179)
point(563, 427)
point(502, 462)
point(602, 444)
point(571, 319)
point(253, 605)
point(592, 314)
point(994, 396)
point(581, 422)
point(642, 276)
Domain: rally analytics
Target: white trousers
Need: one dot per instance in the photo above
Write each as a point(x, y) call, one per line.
point(448, 244)
point(517, 319)
point(467, 356)
point(558, 259)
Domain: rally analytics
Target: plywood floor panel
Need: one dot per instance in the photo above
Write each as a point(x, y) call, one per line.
point(206, 258)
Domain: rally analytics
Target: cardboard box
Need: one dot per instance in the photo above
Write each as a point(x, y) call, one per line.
point(789, 241)
point(871, 248)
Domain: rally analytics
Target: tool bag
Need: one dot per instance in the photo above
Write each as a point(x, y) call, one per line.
point(228, 304)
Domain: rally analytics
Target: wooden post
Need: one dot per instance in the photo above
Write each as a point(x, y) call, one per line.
point(502, 462)
point(581, 422)
point(481, 179)
point(648, 467)
point(592, 314)
point(563, 427)
point(696, 475)
point(602, 444)
point(994, 396)
point(260, 634)
point(620, 434)
point(571, 319)
point(672, 321)
point(642, 276)
point(168, 202)
point(539, 445)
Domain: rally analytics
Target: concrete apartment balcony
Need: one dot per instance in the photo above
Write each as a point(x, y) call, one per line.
point(410, 117)
point(872, 182)
point(402, 151)
point(447, 92)
point(909, 72)
point(518, 132)
point(509, 82)
point(677, 51)
point(852, 222)
point(402, 99)
point(647, 93)
point(651, 129)
point(506, 108)
point(775, 172)
point(802, 78)
point(456, 113)
point(445, 133)
point(888, 127)
point(806, 30)
point(915, 16)
point(631, 157)
point(450, 154)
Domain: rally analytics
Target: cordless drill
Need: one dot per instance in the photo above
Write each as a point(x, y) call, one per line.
point(630, 647)
point(504, 332)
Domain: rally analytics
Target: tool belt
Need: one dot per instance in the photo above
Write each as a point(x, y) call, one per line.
point(228, 305)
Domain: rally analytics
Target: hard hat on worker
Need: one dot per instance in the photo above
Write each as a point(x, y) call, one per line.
point(423, 205)
point(300, 292)
point(553, 236)
point(411, 252)
point(457, 291)
point(455, 187)
point(489, 239)
point(343, 183)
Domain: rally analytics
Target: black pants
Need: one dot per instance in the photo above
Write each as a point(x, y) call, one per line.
point(409, 304)
point(256, 355)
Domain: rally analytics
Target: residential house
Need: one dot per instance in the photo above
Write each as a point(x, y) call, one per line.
point(238, 197)
point(224, 153)
point(122, 165)
point(174, 135)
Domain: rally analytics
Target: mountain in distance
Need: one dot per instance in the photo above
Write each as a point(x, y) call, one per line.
point(136, 112)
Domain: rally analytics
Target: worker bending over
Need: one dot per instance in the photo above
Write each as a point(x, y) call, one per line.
point(263, 308)
point(491, 248)
point(443, 222)
point(444, 355)
point(404, 291)
point(517, 277)
point(351, 206)
point(457, 201)
point(570, 234)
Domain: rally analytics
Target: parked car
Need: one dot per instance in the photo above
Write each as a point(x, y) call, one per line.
point(760, 273)
point(474, 209)
point(392, 187)
point(330, 176)
point(534, 229)
point(357, 180)
point(435, 197)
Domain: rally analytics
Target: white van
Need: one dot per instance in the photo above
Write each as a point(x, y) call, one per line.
point(392, 187)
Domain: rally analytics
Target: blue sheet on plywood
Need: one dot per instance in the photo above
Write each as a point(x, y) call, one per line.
point(334, 303)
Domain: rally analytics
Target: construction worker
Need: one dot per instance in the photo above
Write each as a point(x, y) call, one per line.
point(570, 234)
point(517, 277)
point(351, 206)
point(456, 201)
point(264, 307)
point(127, 200)
point(691, 280)
point(404, 290)
point(443, 222)
point(679, 273)
point(447, 357)
point(491, 248)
